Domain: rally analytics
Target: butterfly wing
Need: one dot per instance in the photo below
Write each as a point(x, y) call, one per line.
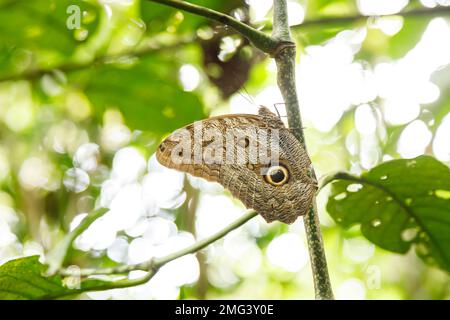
point(200, 148)
point(227, 149)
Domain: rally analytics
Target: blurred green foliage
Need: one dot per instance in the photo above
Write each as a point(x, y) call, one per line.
point(118, 75)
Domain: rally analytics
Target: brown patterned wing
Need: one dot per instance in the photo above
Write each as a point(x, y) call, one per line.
point(200, 148)
point(238, 151)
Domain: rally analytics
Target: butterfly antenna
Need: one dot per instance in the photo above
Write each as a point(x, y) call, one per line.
point(249, 95)
point(276, 109)
point(246, 98)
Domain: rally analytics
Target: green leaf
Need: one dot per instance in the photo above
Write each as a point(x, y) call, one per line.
point(24, 279)
point(148, 94)
point(399, 203)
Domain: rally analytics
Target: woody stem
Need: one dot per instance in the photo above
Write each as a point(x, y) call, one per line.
point(285, 60)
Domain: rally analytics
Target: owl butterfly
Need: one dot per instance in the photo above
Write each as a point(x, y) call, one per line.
point(254, 156)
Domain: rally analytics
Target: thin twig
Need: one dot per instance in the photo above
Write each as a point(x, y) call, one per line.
point(100, 60)
point(156, 263)
point(57, 256)
point(117, 284)
point(118, 270)
point(421, 12)
point(205, 242)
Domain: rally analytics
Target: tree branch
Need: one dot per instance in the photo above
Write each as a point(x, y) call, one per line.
point(259, 39)
point(118, 284)
point(100, 60)
point(285, 61)
point(154, 264)
point(421, 12)
point(205, 242)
